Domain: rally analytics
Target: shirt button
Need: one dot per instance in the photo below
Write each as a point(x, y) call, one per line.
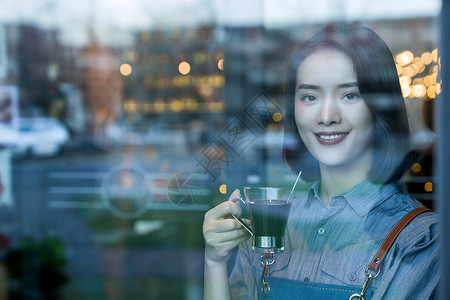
point(352, 277)
point(320, 231)
point(306, 279)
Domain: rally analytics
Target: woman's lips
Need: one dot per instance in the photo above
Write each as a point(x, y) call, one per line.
point(330, 138)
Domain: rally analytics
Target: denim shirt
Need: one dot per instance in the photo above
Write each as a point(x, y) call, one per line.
point(334, 245)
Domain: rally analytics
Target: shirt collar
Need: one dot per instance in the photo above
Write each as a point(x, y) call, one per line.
point(364, 196)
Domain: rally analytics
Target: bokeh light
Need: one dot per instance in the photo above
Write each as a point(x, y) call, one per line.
point(419, 90)
point(438, 88)
point(431, 92)
point(405, 80)
point(406, 90)
point(404, 58)
point(408, 71)
point(434, 55)
point(416, 167)
point(184, 68)
point(223, 189)
point(428, 186)
point(125, 69)
point(176, 105)
point(220, 64)
point(426, 58)
point(277, 117)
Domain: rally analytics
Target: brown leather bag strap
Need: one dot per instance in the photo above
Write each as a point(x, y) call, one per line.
point(376, 261)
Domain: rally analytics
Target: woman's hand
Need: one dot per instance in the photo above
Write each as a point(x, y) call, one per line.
point(221, 232)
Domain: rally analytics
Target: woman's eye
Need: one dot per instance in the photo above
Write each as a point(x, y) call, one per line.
point(352, 96)
point(308, 98)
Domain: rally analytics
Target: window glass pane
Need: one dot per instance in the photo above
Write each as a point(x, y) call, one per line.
point(123, 122)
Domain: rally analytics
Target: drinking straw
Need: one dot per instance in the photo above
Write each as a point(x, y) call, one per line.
point(295, 184)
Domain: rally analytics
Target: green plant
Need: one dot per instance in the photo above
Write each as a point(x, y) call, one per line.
point(36, 269)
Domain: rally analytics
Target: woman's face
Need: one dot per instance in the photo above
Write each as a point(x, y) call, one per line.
point(333, 120)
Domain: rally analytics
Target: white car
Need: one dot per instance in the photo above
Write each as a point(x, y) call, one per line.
point(39, 137)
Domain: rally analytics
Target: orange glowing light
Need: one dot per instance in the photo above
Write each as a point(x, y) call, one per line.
point(419, 90)
point(406, 91)
point(428, 186)
point(176, 106)
point(438, 88)
point(426, 58)
point(223, 189)
point(404, 58)
point(277, 117)
point(184, 68)
point(416, 167)
point(431, 92)
point(408, 71)
point(434, 55)
point(125, 69)
point(405, 80)
point(220, 64)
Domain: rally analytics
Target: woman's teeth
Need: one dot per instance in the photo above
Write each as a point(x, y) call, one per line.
point(331, 137)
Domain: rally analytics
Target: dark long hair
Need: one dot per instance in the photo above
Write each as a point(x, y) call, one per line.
point(379, 86)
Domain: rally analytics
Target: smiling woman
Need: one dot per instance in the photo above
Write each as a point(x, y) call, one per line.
point(333, 121)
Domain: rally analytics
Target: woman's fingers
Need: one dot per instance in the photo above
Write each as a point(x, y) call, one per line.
point(225, 225)
point(223, 210)
point(221, 232)
point(235, 194)
point(220, 237)
point(219, 250)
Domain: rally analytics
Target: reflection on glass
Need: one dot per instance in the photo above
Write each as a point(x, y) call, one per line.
point(143, 87)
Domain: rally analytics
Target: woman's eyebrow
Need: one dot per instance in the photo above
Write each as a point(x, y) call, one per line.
point(347, 85)
point(305, 86)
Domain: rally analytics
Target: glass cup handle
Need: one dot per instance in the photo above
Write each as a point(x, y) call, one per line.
point(239, 219)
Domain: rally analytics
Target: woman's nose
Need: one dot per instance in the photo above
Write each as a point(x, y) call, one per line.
point(329, 113)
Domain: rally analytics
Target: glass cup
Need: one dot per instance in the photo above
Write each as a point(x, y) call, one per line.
point(268, 209)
